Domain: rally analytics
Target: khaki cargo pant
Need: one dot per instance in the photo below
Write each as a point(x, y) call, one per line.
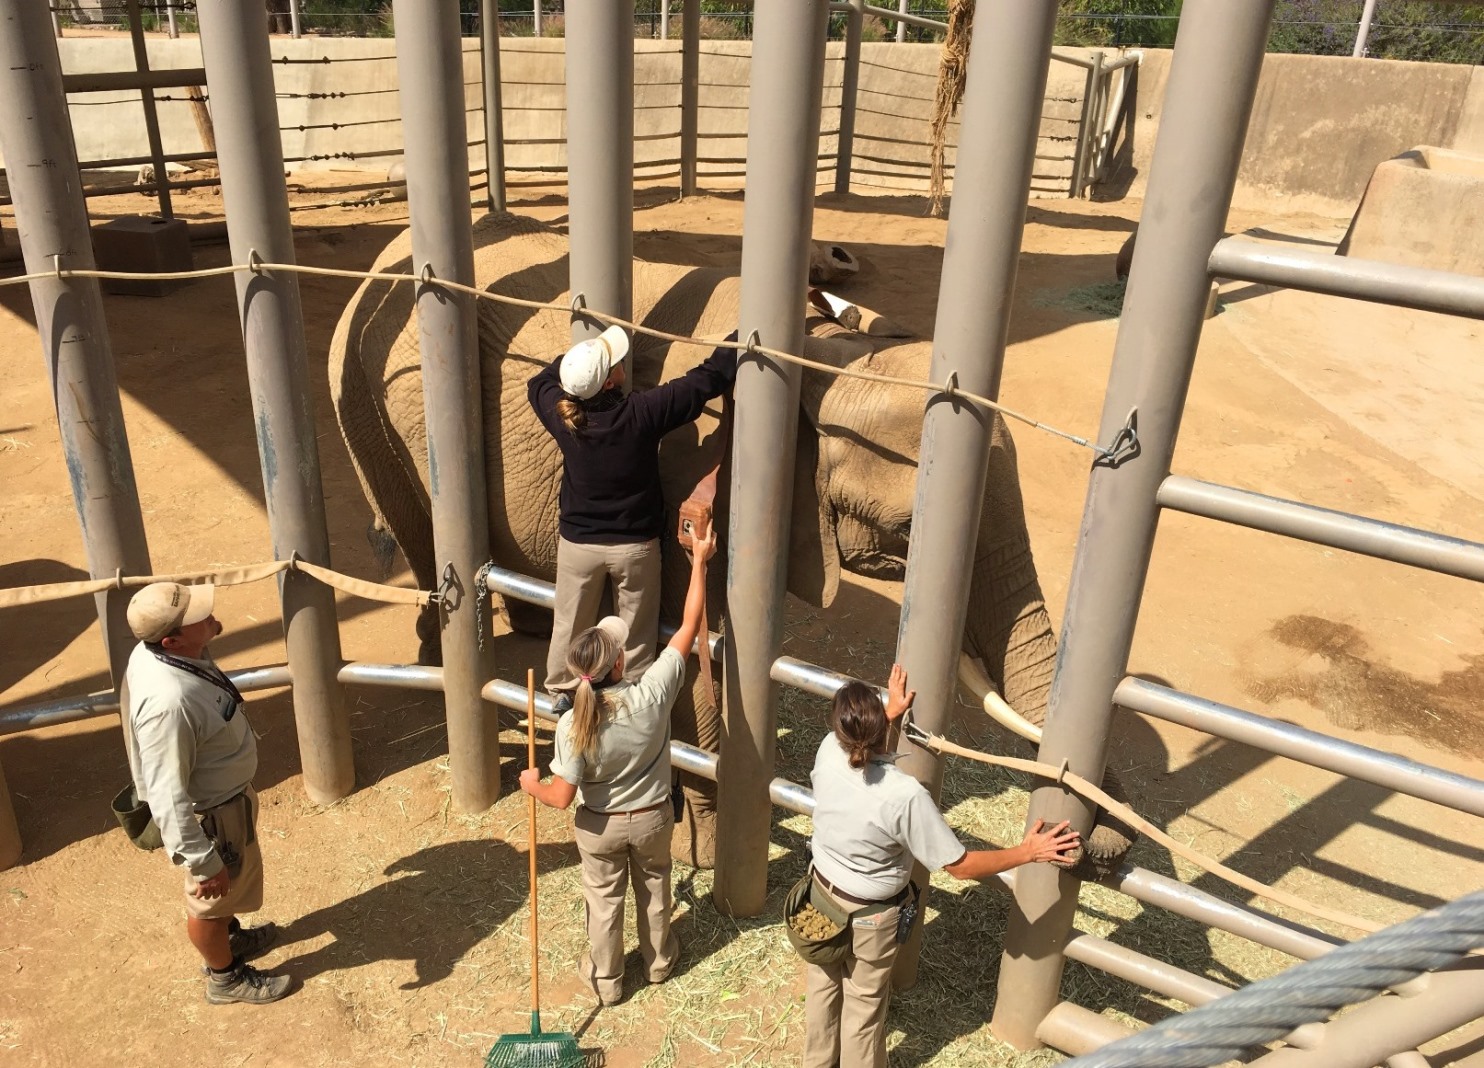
point(583, 572)
point(232, 828)
point(845, 1003)
point(615, 847)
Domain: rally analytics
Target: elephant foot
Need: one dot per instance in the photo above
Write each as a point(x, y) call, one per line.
point(694, 841)
point(528, 619)
point(1104, 848)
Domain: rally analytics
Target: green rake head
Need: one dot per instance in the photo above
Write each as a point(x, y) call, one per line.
point(553, 1049)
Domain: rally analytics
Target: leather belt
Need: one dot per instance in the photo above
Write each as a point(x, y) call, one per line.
point(635, 811)
point(894, 899)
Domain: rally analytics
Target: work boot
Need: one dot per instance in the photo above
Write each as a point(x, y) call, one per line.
point(609, 991)
point(250, 943)
point(246, 984)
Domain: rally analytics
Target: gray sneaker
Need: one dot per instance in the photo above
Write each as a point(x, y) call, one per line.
point(246, 984)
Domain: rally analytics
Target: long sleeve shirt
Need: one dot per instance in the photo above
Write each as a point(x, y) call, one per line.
point(193, 750)
point(610, 492)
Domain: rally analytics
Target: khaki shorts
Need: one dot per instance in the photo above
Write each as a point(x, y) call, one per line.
point(232, 828)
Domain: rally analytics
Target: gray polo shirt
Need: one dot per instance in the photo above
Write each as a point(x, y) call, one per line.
point(193, 750)
point(870, 822)
point(631, 767)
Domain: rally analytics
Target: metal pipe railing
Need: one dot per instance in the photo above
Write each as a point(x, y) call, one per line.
point(1318, 750)
point(1182, 899)
point(1322, 526)
point(72, 709)
point(1345, 276)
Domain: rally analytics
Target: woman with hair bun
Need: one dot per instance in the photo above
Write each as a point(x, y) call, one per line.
point(871, 820)
point(612, 756)
point(611, 510)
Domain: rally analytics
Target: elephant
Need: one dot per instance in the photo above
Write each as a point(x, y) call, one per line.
point(855, 468)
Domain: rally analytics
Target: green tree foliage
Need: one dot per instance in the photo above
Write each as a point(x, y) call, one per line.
point(1117, 23)
point(1400, 29)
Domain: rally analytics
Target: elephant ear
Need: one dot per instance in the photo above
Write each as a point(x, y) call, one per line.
point(814, 556)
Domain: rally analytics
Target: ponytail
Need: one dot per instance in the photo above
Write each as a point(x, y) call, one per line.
point(859, 722)
point(572, 413)
point(591, 657)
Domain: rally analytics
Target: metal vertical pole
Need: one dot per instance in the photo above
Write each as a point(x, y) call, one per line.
point(1213, 79)
point(56, 22)
point(10, 830)
point(782, 154)
point(294, 27)
point(239, 72)
point(151, 116)
point(430, 70)
point(535, 18)
point(600, 157)
point(1082, 160)
point(52, 221)
point(494, 123)
point(1363, 33)
point(901, 26)
point(997, 148)
point(664, 20)
point(690, 93)
point(170, 15)
point(849, 82)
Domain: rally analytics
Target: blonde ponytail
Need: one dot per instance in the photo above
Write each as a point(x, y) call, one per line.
point(571, 412)
point(591, 657)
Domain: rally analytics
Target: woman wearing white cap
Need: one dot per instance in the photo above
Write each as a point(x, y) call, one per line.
point(612, 756)
point(611, 508)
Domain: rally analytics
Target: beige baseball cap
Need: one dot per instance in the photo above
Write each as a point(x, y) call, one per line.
point(162, 607)
point(588, 364)
point(616, 629)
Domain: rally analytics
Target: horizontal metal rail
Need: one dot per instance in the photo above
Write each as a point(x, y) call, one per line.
point(124, 80)
point(1319, 750)
point(1322, 526)
point(1142, 970)
point(542, 594)
point(919, 21)
point(1343, 276)
point(1265, 929)
point(73, 709)
point(1077, 1031)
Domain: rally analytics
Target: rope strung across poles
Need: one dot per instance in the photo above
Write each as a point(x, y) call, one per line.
point(256, 266)
point(1077, 784)
point(1225, 1029)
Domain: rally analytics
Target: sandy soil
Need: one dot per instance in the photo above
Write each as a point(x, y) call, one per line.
point(406, 928)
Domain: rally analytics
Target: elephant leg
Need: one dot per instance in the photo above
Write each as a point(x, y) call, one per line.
point(430, 636)
point(528, 619)
point(697, 719)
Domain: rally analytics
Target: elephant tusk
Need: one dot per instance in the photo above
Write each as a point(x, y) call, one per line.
point(976, 680)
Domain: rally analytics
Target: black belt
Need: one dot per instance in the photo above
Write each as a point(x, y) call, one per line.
point(893, 900)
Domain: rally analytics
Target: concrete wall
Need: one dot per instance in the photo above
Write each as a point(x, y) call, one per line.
point(343, 114)
point(1319, 128)
point(1322, 124)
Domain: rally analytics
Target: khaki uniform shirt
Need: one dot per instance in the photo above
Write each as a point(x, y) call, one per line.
point(870, 822)
point(630, 768)
point(193, 750)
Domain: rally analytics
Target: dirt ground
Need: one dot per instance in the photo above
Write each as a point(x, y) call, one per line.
point(406, 926)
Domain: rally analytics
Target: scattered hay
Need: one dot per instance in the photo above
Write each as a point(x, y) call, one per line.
point(1101, 300)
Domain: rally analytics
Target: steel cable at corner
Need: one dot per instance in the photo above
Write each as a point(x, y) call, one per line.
point(1225, 1029)
point(949, 388)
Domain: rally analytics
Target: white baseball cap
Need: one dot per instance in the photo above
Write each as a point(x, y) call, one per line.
point(588, 364)
point(162, 607)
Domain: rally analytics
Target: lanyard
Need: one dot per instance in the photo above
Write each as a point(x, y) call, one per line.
point(217, 678)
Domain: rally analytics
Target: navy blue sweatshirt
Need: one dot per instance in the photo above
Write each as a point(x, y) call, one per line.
point(611, 470)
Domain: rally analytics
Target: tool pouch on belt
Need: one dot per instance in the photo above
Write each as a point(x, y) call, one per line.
point(829, 942)
point(136, 819)
point(230, 828)
point(907, 912)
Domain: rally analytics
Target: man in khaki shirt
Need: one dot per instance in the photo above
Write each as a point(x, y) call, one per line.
point(193, 760)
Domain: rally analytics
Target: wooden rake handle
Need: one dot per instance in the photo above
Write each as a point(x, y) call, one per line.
point(531, 840)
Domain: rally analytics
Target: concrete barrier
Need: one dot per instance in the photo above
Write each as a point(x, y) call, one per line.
point(1425, 208)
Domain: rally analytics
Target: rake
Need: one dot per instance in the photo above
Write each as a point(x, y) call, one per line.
point(537, 1049)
